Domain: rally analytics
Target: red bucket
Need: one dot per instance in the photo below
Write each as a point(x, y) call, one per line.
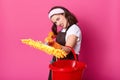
point(67, 69)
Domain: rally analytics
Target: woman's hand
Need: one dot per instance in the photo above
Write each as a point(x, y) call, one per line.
point(66, 49)
point(56, 45)
point(50, 38)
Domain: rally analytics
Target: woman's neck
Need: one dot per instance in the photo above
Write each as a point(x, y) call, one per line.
point(66, 26)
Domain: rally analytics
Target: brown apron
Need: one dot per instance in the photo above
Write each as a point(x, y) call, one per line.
point(60, 38)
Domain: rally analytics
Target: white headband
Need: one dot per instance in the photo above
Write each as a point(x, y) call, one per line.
point(55, 11)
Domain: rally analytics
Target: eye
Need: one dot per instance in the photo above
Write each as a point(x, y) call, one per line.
point(58, 19)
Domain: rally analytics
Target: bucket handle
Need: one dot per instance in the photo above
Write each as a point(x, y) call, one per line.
point(74, 54)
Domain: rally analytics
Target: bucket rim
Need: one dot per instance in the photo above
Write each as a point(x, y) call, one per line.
point(79, 66)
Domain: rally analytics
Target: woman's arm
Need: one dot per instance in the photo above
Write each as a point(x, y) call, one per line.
point(71, 41)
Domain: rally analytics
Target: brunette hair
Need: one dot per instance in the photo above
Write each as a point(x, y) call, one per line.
point(68, 15)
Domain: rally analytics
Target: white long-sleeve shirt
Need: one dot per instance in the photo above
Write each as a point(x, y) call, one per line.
point(74, 30)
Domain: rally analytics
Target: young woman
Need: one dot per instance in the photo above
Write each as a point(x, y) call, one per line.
point(70, 34)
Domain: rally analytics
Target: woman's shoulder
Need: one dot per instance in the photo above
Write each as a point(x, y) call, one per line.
point(74, 27)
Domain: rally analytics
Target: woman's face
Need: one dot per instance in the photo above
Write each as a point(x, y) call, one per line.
point(60, 20)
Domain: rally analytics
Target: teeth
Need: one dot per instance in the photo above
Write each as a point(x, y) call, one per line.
point(61, 25)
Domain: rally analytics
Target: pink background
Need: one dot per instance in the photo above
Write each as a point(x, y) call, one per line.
point(100, 24)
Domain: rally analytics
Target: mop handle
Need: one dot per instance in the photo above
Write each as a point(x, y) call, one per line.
point(74, 54)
